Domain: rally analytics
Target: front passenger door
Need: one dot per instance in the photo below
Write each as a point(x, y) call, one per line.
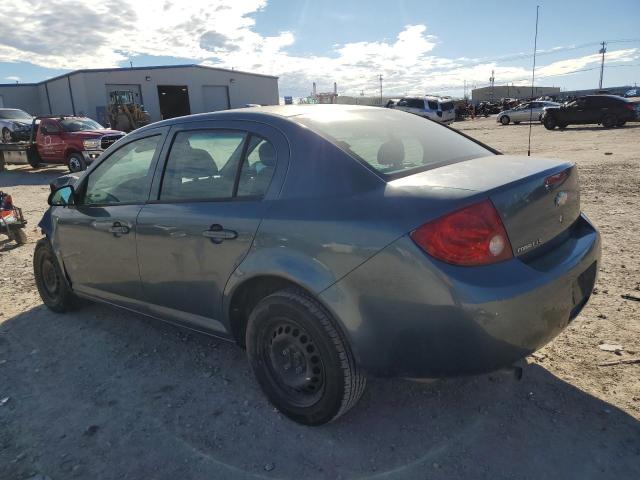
point(97, 234)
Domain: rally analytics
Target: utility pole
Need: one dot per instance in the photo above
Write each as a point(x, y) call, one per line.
point(380, 78)
point(465, 90)
point(492, 80)
point(603, 50)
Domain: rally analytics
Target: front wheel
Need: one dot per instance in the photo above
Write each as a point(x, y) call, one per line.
point(504, 120)
point(301, 360)
point(76, 163)
point(549, 123)
point(53, 289)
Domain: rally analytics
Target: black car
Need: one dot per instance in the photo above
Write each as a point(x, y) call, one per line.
point(607, 110)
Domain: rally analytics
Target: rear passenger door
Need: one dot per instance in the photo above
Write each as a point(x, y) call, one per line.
point(218, 179)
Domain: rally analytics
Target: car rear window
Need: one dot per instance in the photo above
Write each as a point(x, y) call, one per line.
point(391, 142)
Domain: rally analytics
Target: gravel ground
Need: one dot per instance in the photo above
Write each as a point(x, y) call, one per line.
point(102, 393)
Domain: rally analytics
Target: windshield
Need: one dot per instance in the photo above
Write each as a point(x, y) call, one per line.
point(79, 124)
point(14, 115)
point(391, 142)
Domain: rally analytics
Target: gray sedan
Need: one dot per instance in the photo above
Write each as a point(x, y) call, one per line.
point(525, 112)
point(332, 242)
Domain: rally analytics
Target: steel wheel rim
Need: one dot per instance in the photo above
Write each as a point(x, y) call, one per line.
point(74, 163)
point(293, 362)
point(50, 280)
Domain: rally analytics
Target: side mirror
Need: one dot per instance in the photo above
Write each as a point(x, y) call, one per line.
point(62, 197)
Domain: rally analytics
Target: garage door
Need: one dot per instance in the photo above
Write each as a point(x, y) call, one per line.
point(215, 97)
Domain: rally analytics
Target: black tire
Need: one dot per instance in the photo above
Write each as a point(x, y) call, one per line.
point(549, 123)
point(19, 235)
point(562, 126)
point(609, 121)
point(301, 359)
point(6, 135)
point(53, 288)
point(516, 123)
point(76, 163)
point(504, 120)
point(621, 123)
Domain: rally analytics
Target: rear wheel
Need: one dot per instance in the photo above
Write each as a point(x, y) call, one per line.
point(53, 289)
point(550, 123)
point(621, 123)
point(76, 163)
point(19, 236)
point(301, 360)
point(609, 121)
point(6, 135)
point(504, 120)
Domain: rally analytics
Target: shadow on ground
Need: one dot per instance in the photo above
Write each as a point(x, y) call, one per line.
point(101, 393)
point(26, 175)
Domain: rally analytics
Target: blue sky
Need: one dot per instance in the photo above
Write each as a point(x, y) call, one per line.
point(418, 46)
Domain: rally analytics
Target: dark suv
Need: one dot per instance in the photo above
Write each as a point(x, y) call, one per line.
point(608, 110)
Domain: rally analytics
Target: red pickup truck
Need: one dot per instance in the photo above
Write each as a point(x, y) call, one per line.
point(68, 140)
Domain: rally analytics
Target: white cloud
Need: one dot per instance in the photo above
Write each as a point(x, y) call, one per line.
point(68, 34)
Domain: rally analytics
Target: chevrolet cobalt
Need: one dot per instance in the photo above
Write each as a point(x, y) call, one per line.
point(332, 242)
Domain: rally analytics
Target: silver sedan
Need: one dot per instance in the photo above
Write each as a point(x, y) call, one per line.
point(525, 112)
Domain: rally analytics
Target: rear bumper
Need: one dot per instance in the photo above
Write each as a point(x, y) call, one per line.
point(409, 315)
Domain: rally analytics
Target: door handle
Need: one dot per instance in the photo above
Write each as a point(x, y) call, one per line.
point(217, 234)
point(119, 229)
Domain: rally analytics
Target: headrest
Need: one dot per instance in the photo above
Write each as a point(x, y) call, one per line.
point(391, 153)
point(267, 154)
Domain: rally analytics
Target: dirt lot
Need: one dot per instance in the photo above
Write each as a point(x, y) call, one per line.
point(106, 394)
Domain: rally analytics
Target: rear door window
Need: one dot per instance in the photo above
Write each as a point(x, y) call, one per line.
point(257, 168)
point(433, 105)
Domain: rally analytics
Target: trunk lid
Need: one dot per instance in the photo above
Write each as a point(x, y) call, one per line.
point(537, 198)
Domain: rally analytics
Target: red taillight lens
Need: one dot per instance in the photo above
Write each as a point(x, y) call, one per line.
point(474, 235)
point(556, 179)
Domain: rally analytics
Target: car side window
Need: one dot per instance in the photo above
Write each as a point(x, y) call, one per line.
point(125, 176)
point(433, 105)
point(202, 164)
point(416, 103)
point(50, 127)
point(257, 168)
point(402, 102)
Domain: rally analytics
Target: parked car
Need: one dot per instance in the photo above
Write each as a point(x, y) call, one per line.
point(74, 141)
point(524, 112)
point(438, 109)
point(606, 110)
point(15, 125)
point(332, 241)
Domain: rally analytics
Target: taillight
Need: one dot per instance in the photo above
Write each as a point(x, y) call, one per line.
point(555, 180)
point(630, 106)
point(474, 235)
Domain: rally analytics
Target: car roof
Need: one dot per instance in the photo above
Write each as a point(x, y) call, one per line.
point(613, 97)
point(273, 112)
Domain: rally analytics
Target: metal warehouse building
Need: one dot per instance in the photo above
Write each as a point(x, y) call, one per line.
point(165, 92)
point(488, 94)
